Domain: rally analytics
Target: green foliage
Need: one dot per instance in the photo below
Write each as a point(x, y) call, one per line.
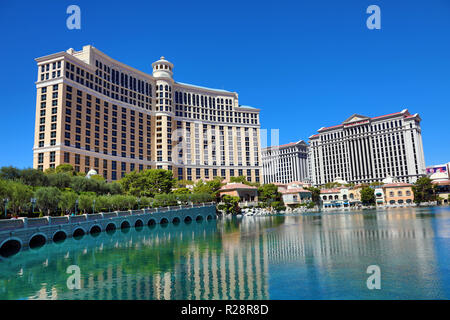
point(367, 196)
point(350, 185)
point(9, 173)
point(182, 191)
point(67, 202)
point(268, 194)
point(230, 204)
point(240, 179)
point(315, 194)
point(57, 191)
point(122, 202)
point(47, 199)
point(331, 185)
point(278, 205)
point(424, 190)
point(201, 197)
point(59, 180)
point(183, 183)
point(243, 179)
point(86, 202)
point(311, 205)
point(19, 196)
point(33, 177)
point(148, 182)
point(211, 187)
point(65, 168)
point(165, 200)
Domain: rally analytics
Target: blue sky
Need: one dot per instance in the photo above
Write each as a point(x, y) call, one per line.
point(305, 64)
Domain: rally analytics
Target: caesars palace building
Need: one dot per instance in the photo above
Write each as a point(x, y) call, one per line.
point(94, 112)
point(365, 150)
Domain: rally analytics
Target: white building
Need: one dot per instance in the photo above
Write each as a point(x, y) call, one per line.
point(286, 163)
point(365, 150)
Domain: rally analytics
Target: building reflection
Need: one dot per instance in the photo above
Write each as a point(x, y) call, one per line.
point(228, 260)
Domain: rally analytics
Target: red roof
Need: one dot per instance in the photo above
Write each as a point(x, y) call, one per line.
point(236, 185)
point(294, 190)
point(441, 182)
point(407, 115)
point(387, 115)
point(334, 190)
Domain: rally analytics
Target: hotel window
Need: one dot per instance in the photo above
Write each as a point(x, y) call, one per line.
point(66, 157)
point(52, 156)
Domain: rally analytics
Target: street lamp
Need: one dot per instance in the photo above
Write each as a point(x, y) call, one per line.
point(5, 202)
point(93, 206)
point(76, 205)
point(33, 203)
point(139, 203)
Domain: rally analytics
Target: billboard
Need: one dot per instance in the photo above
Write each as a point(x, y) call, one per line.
point(431, 170)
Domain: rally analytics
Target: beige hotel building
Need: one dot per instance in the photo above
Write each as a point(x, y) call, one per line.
point(94, 112)
point(365, 150)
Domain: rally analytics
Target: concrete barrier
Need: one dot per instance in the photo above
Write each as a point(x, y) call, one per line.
point(22, 230)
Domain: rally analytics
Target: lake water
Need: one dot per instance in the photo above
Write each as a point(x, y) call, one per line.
point(280, 257)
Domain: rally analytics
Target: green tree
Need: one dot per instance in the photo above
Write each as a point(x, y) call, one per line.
point(33, 177)
point(102, 203)
point(183, 183)
point(315, 194)
point(148, 182)
point(85, 203)
point(19, 196)
point(182, 191)
point(164, 200)
point(367, 196)
point(230, 204)
point(331, 185)
point(424, 190)
point(47, 199)
point(59, 180)
point(79, 184)
point(239, 179)
point(67, 201)
point(65, 168)
point(211, 187)
point(9, 173)
point(268, 193)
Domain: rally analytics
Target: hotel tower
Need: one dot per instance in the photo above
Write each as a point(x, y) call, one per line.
point(286, 163)
point(94, 112)
point(365, 150)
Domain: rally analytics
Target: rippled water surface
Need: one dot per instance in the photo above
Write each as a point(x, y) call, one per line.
point(280, 257)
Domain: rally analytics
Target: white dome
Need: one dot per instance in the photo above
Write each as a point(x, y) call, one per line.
point(91, 172)
point(162, 68)
point(340, 180)
point(439, 176)
point(389, 179)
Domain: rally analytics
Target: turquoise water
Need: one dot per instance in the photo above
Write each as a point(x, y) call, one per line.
point(279, 257)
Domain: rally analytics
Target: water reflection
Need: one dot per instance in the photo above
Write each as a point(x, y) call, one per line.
point(282, 257)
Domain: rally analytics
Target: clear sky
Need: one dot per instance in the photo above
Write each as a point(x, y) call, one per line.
point(305, 64)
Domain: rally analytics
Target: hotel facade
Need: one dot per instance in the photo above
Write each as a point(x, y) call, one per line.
point(365, 150)
point(286, 163)
point(94, 112)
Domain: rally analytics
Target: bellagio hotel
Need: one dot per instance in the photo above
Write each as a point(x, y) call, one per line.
point(94, 112)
